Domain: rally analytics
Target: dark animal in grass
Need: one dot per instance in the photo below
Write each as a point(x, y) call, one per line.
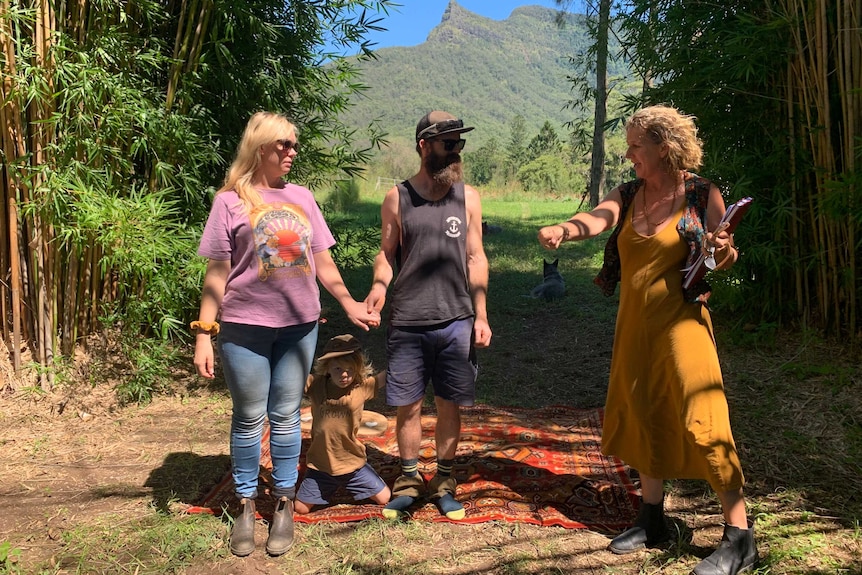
point(553, 285)
point(490, 229)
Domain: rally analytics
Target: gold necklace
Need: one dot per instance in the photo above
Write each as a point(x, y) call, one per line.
point(646, 212)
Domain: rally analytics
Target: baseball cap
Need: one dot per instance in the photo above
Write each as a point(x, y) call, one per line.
point(437, 123)
point(340, 345)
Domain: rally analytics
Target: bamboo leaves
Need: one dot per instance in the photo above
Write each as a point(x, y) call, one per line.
point(117, 118)
point(777, 89)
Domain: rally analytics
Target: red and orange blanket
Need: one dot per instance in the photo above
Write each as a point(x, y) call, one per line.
point(540, 466)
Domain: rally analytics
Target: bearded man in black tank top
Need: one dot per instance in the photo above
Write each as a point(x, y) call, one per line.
point(431, 254)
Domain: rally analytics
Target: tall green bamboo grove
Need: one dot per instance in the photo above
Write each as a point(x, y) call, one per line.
point(777, 89)
point(118, 118)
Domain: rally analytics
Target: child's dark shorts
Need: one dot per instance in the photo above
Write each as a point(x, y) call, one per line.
point(317, 488)
point(441, 354)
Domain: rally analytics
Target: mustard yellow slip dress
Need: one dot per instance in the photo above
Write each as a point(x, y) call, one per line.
point(666, 413)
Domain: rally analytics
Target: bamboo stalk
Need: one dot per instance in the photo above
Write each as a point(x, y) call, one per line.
point(80, 20)
point(14, 148)
point(8, 188)
point(40, 111)
point(827, 159)
point(70, 292)
point(794, 192)
point(818, 72)
point(174, 76)
point(849, 54)
point(95, 281)
point(16, 285)
point(199, 38)
point(82, 319)
point(4, 251)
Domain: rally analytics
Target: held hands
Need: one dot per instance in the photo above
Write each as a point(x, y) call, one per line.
point(550, 237)
point(360, 315)
point(376, 298)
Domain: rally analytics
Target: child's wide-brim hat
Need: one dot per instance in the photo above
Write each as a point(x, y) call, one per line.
point(340, 345)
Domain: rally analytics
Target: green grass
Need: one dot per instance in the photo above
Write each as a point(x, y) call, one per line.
point(155, 544)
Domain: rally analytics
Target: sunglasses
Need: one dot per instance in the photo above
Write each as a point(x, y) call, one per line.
point(286, 145)
point(452, 145)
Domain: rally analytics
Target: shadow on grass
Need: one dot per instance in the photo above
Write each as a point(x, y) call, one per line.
point(185, 477)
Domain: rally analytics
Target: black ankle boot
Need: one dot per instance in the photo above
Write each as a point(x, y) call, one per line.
point(736, 553)
point(242, 534)
point(281, 531)
point(649, 530)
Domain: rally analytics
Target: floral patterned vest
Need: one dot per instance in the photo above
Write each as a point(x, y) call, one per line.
point(690, 227)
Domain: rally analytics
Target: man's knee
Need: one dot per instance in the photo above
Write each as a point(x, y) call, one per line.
point(409, 413)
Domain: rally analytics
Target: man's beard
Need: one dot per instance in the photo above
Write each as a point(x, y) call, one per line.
point(445, 170)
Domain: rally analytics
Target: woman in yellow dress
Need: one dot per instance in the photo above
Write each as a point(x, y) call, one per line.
point(666, 413)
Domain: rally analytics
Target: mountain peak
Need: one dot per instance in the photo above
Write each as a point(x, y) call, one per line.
point(453, 5)
point(480, 69)
point(456, 23)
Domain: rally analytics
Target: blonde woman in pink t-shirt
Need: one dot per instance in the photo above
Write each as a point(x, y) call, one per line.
point(268, 246)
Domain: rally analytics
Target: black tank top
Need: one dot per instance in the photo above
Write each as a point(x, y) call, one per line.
point(431, 285)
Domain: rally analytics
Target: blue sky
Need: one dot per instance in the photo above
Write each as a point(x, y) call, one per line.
point(409, 24)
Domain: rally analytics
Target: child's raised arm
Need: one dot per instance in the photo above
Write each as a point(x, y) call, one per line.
point(381, 379)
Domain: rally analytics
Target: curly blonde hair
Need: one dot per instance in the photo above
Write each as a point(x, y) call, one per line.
point(667, 125)
point(263, 128)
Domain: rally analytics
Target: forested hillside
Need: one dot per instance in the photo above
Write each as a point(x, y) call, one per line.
point(483, 70)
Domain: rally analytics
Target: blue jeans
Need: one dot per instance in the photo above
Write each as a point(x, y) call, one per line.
point(266, 369)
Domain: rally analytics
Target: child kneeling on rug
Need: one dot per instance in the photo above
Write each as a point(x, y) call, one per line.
point(340, 384)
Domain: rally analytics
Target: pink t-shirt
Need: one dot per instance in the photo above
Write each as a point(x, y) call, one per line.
point(272, 280)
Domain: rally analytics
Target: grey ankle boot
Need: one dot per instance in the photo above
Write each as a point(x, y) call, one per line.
point(242, 534)
point(649, 530)
point(281, 531)
point(736, 553)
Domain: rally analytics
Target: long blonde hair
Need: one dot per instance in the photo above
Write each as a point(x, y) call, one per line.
point(667, 125)
point(263, 128)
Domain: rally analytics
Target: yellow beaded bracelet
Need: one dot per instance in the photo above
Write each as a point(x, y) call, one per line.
point(211, 328)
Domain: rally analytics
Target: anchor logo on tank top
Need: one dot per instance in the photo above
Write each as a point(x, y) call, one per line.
point(453, 227)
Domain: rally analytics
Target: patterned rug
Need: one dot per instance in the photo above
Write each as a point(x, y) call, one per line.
point(540, 466)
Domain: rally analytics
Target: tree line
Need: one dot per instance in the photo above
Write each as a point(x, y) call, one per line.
point(546, 164)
